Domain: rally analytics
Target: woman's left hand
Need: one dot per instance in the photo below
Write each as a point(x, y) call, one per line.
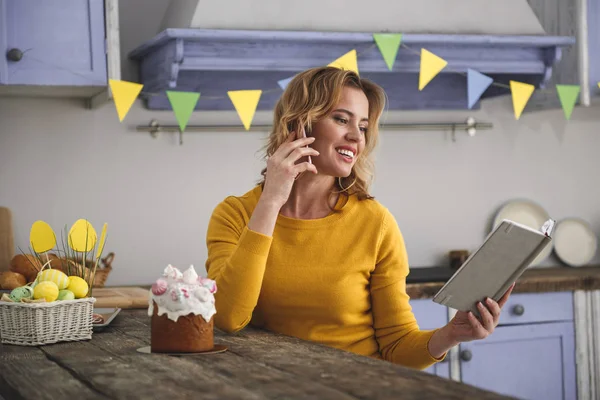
point(465, 326)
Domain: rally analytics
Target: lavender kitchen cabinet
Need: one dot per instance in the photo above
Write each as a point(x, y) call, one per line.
point(431, 315)
point(531, 354)
point(52, 43)
point(532, 361)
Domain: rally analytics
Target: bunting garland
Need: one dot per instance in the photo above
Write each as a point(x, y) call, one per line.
point(124, 94)
point(431, 65)
point(477, 84)
point(347, 61)
point(567, 95)
point(521, 92)
point(245, 102)
point(388, 44)
point(183, 104)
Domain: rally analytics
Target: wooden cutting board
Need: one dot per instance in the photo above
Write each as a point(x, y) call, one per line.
point(7, 245)
point(120, 297)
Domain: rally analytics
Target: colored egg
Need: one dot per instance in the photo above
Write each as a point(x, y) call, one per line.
point(22, 292)
point(66, 294)
point(82, 236)
point(46, 290)
point(42, 237)
point(53, 275)
point(78, 286)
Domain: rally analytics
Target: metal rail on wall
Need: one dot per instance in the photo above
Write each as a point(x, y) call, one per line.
point(470, 126)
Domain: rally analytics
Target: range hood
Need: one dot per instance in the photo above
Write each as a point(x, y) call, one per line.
point(190, 54)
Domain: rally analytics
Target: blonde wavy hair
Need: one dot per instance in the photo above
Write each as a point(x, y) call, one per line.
point(312, 95)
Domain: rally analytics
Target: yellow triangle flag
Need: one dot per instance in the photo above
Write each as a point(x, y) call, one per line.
point(347, 61)
point(245, 102)
point(521, 92)
point(431, 65)
point(124, 94)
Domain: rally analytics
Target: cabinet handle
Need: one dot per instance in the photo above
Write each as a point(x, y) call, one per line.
point(518, 309)
point(14, 55)
point(466, 355)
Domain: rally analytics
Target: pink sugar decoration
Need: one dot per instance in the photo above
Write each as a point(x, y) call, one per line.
point(209, 284)
point(159, 287)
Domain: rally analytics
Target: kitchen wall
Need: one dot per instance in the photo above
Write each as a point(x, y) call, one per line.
point(60, 162)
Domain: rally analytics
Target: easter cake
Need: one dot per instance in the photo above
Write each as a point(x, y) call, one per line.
point(182, 306)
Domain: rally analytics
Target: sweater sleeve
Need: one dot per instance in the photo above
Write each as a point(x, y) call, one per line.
point(236, 261)
point(400, 339)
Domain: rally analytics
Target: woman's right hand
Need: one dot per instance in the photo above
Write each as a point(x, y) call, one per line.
point(282, 168)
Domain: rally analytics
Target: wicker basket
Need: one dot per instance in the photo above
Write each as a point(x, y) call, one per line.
point(35, 324)
point(102, 271)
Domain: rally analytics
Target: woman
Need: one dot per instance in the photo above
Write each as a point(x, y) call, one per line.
point(308, 252)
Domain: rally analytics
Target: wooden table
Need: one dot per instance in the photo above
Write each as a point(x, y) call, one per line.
point(257, 365)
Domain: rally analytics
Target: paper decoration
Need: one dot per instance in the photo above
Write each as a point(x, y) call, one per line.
point(245, 102)
point(42, 237)
point(284, 82)
point(477, 83)
point(567, 95)
point(521, 92)
point(347, 61)
point(101, 242)
point(431, 65)
point(124, 94)
point(82, 236)
point(388, 44)
point(183, 104)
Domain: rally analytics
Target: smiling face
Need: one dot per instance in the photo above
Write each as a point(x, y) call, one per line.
point(340, 136)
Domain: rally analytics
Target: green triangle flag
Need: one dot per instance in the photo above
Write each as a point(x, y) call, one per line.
point(568, 97)
point(183, 104)
point(388, 44)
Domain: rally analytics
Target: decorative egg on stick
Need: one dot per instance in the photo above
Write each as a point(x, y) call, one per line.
point(82, 239)
point(42, 239)
point(99, 252)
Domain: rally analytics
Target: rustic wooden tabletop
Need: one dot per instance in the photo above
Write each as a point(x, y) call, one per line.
point(257, 365)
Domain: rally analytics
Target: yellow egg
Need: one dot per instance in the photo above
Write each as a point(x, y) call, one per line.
point(46, 290)
point(78, 286)
point(53, 275)
point(82, 236)
point(42, 237)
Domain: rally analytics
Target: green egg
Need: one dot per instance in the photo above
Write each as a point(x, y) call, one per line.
point(23, 292)
point(65, 295)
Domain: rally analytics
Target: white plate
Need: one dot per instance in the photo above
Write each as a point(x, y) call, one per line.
point(575, 242)
point(528, 213)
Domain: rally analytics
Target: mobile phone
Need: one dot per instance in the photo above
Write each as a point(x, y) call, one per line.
point(303, 133)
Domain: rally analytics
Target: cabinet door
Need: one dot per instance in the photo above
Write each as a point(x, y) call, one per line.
point(62, 42)
point(535, 361)
point(431, 315)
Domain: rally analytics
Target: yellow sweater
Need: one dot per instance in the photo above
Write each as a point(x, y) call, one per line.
point(338, 280)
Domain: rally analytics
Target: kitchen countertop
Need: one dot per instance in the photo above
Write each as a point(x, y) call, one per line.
point(534, 280)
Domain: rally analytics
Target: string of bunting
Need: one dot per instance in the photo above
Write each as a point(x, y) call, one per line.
point(245, 101)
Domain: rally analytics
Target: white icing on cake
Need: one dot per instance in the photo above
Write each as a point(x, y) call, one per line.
point(178, 294)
